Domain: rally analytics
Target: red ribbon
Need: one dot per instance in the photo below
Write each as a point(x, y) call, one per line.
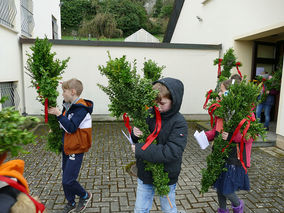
point(207, 98)
point(219, 67)
point(46, 110)
point(156, 131)
point(263, 87)
point(211, 109)
point(39, 206)
point(248, 119)
point(126, 122)
point(237, 65)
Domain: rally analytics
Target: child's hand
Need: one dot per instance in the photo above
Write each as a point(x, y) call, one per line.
point(133, 148)
point(54, 111)
point(225, 135)
point(137, 132)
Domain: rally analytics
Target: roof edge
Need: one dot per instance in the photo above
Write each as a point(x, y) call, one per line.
point(128, 44)
point(173, 21)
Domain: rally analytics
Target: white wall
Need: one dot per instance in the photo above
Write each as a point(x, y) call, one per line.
point(224, 20)
point(280, 118)
point(194, 67)
point(43, 12)
point(10, 60)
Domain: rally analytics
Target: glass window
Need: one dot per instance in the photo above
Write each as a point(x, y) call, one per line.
point(265, 51)
point(264, 69)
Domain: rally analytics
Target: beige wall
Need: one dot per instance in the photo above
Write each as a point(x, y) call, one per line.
point(280, 118)
point(11, 69)
point(194, 67)
point(10, 60)
point(225, 20)
point(43, 12)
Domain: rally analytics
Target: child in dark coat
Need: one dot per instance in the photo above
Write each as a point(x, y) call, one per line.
point(171, 143)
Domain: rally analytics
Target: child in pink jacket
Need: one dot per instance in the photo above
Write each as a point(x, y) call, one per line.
point(235, 178)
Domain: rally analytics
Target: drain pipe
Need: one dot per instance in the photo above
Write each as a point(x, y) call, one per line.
point(24, 113)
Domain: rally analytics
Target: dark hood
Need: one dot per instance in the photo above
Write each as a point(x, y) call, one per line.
point(176, 89)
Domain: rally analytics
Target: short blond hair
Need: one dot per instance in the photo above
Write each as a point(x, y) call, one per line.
point(73, 84)
point(163, 91)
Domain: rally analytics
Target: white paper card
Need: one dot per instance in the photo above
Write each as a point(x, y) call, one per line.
point(201, 139)
point(128, 137)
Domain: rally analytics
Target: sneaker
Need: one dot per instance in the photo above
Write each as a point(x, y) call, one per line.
point(69, 208)
point(83, 203)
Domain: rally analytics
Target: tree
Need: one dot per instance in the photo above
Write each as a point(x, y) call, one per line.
point(157, 8)
point(130, 15)
point(83, 9)
point(102, 25)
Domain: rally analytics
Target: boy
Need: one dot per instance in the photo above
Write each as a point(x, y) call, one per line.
point(171, 143)
point(76, 122)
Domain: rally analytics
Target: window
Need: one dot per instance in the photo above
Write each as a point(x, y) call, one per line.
point(264, 58)
point(27, 19)
point(54, 28)
point(8, 89)
point(7, 13)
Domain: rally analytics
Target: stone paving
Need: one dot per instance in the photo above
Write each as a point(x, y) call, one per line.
point(114, 189)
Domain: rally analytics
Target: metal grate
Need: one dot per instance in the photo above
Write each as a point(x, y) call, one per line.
point(27, 19)
point(9, 89)
point(7, 12)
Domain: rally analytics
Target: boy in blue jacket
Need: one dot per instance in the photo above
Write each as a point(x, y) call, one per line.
point(76, 122)
point(171, 143)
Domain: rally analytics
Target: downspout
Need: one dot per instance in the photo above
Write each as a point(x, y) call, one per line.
point(23, 80)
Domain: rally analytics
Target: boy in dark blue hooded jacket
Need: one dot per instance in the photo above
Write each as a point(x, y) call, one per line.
point(76, 121)
point(171, 143)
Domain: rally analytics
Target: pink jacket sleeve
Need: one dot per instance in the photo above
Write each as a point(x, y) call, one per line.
point(211, 134)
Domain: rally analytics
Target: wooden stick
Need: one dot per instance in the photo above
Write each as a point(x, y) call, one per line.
point(169, 201)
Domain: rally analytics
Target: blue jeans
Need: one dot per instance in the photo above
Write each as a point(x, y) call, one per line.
point(267, 109)
point(145, 195)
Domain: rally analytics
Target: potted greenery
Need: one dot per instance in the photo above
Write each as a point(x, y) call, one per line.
point(45, 73)
point(129, 93)
point(236, 110)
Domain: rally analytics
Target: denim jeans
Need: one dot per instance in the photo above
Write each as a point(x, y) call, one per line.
point(145, 195)
point(267, 109)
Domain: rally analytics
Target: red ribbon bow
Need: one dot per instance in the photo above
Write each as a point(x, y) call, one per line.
point(156, 131)
point(126, 122)
point(207, 98)
point(248, 119)
point(237, 65)
point(219, 67)
point(211, 109)
point(39, 206)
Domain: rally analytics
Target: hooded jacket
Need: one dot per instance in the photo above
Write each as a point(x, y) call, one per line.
point(76, 122)
point(171, 140)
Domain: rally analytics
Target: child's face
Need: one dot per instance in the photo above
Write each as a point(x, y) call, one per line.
point(222, 91)
point(68, 95)
point(164, 105)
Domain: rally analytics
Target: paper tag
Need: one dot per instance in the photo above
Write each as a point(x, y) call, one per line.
point(201, 139)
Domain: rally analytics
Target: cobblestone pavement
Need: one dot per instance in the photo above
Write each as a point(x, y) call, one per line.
point(114, 189)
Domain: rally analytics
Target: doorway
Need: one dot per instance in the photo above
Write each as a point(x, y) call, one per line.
point(267, 58)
